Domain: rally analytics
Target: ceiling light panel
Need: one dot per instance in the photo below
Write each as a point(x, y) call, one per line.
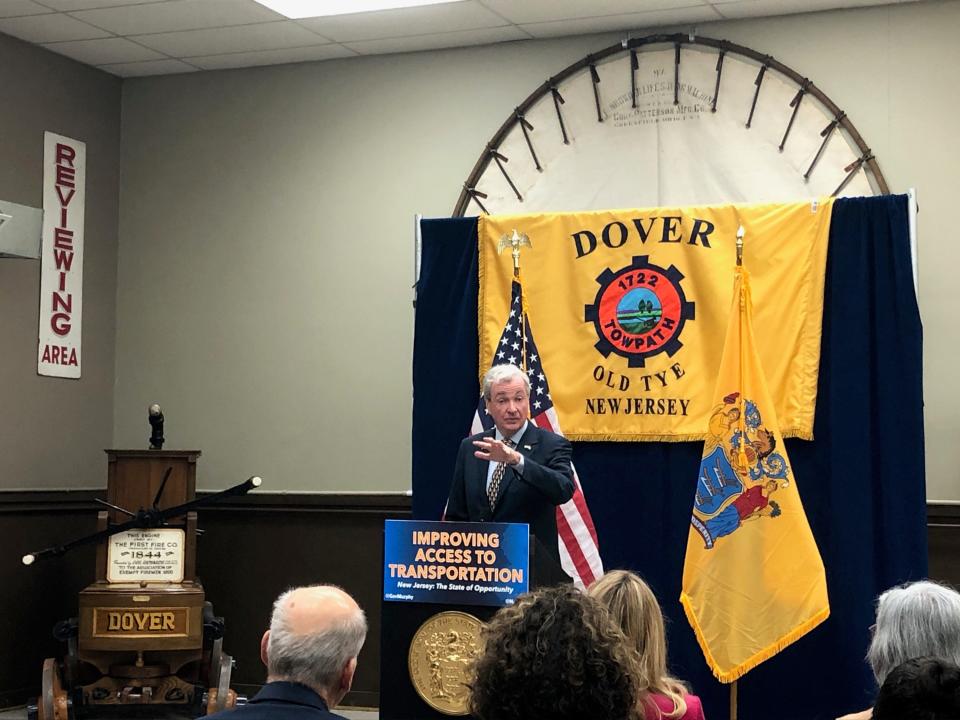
point(298, 9)
point(408, 21)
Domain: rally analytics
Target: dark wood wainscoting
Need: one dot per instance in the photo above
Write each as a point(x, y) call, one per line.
point(253, 548)
point(943, 539)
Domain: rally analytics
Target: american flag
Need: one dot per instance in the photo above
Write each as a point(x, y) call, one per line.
point(579, 551)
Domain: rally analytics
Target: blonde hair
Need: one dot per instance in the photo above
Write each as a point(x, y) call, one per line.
point(632, 603)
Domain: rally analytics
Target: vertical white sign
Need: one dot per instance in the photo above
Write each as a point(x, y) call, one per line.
point(61, 258)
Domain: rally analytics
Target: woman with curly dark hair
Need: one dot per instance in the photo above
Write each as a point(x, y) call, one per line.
point(554, 655)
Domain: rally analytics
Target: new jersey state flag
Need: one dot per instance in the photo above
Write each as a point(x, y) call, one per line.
point(753, 580)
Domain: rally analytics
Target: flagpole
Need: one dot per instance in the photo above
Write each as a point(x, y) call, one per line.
point(742, 423)
point(523, 310)
point(740, 233)
point(514, 241)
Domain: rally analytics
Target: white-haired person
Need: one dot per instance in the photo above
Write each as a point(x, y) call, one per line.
point(516, 471)
point(310, 651)
point(915, 620)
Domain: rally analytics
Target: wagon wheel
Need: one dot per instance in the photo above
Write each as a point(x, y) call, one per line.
point(53, 703)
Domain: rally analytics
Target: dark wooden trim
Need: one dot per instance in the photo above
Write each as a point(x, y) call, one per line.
point(10, 699)
point(314, 502)
point(15, 501)
point(362, 699)
point(354, 699)
point(943, 542)
point(943, 514)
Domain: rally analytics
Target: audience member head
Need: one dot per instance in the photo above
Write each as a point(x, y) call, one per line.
point(920, 689)
point(554, 655)
point(633, 605)
point(915, 620)
point(314, 638)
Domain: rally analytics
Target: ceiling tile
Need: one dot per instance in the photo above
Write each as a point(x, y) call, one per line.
point(416, 43)
point(246, 38)
point(14, 8)
point(71, 5)
point(621, 23)
point(151, 67)
point(406, 21)
point(177, 15)
point(535, 11)
point(49, 28)
point(104, 51)
point(764, 8)
point(271, 57)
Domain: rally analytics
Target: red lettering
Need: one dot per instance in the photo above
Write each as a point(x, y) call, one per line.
point(60, 323)
point(63, 238)
point(63, 279)
point(63, 260)
point(66, 176)
point(65, 200)
point(63, 217)
point(59, 355)
point(65, 155)
point(60, 303)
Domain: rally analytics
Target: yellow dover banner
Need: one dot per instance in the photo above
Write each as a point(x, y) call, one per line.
point(628, 309)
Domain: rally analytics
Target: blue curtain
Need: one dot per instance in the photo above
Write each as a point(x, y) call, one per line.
point(861, 479)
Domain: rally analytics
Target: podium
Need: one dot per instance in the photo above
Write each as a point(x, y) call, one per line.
point(435, 597)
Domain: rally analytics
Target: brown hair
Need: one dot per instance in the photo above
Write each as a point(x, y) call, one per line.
point(632, 603)
point(554, 655)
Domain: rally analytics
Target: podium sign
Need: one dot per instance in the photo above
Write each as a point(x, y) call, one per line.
point(455, 563)
point(441, 582)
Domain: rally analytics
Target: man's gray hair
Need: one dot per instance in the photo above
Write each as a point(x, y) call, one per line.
point(500, 373)
point(315, 659)
point(915, 620)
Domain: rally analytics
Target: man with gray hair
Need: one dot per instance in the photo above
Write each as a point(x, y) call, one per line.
point(310, 651)
point(515, 471)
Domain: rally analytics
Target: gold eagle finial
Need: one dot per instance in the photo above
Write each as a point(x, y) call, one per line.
point(515, 241)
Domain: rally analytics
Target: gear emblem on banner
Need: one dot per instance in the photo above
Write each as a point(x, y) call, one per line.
point(640, 311)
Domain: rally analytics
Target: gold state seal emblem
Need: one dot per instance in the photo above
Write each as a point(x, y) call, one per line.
point(441, 659)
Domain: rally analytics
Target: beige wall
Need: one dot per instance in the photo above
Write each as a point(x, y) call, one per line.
point(266, 232)
point(54, 430)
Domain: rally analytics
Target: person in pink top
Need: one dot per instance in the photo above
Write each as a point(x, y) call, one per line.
point(632, 603)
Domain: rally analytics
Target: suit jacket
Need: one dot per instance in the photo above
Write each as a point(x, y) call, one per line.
point(547, 481)
point(281, 701)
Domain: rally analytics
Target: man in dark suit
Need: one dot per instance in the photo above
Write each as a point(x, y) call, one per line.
point(515, 472)
point(310, 652)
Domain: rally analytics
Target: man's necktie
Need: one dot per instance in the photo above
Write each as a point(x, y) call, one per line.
point(497, 478)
